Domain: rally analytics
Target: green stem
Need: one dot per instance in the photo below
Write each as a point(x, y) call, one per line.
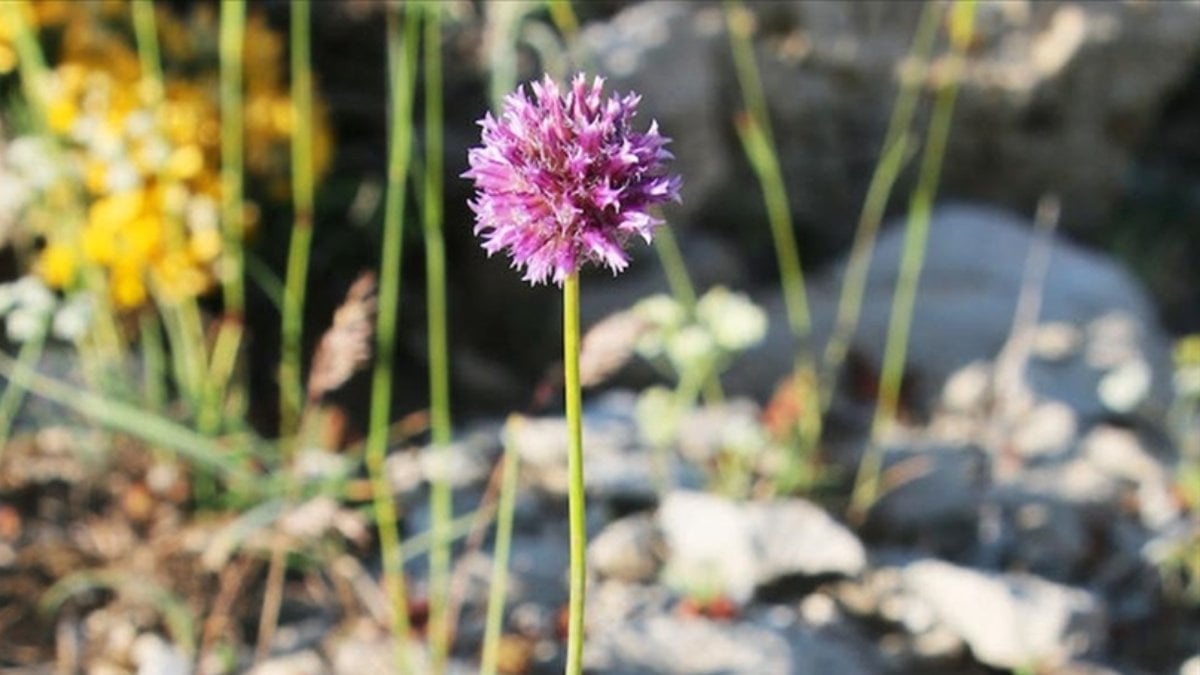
point(231, 47)
point(576, 495)
point(684, 292)
point(440, 497)
point(678, 279)
point(758, 141)
point(504, 530)
point(221, 366)
point(896, 143)
point(144, 28)
point(402, 57)
point(291, 396)
point(562, 14)
point(866, 486)
point(31, 63)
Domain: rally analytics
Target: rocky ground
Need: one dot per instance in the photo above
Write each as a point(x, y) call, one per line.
point(1028, 512)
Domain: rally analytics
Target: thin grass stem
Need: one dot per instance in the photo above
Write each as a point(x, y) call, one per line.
point(291, 388)
point(867, 481)
point(231, 46)
point(146, 34)
point(402, 57)
point(897, 141)
point(498, 588)
point(202, 451)
point(758, 142)
point(441, 502)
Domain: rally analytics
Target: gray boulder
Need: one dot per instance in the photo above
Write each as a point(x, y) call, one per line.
point(972, 276)
point(1056, 96)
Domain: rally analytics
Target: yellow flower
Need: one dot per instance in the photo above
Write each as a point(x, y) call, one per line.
point(56, 265)
point(61, 114)
point(142, 239)
point(126, 286)
point(95, 176)
point(205, 244)
point(176, 277)
point(97, 244)
point(185, 162)
point(8, 59)
point(115, 211)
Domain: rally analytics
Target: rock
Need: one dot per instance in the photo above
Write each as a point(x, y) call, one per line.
point(616, 466)
point(967, 389)
point(1056, 95)
point(654, 639)
point(461, 463)
point(1009, 620)
point(964, 314)
point(155, 656)
point(718, 545)
point(307, 662)
point(796, 537)
point(1048, 430)
point(935, 500)
point(367, 648)
point(1119, 454)
point(1044, 535)
point(626, 550)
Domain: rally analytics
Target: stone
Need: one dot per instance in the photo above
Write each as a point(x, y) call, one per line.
point(626, 549)
point(307, 662)
point(614, 464)
point(1009, 620)
point(935, 501)
point(964, 313)
point(1042, 534)
point(967, 389)
point(1048, 430)
point(1041, 103)
point(653, 639)
point(1119, 453)
point(716, 544)
point(155, 656)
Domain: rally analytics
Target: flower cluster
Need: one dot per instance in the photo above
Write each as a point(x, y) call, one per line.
point(125, 178)
point(563, 179)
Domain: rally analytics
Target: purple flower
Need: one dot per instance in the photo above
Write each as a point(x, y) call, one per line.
point(562, 178)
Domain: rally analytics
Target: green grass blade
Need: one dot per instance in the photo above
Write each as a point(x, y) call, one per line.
point(402, 57)
point(200, 450)
point(866, 486)
point(896, 145)
point(291, 388)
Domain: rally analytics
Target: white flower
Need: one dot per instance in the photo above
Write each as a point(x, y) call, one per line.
point(72, 320)
point(735, 322)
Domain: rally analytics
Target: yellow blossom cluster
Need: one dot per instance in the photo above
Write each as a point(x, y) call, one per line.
point(146, 158)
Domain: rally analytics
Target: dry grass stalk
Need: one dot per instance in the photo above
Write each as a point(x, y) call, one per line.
point(346, 345)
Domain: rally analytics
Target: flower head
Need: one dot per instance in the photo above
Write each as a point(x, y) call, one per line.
point(562, 179)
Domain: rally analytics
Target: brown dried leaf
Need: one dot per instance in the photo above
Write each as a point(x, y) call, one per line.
point(608, 345)
point(346, 346)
